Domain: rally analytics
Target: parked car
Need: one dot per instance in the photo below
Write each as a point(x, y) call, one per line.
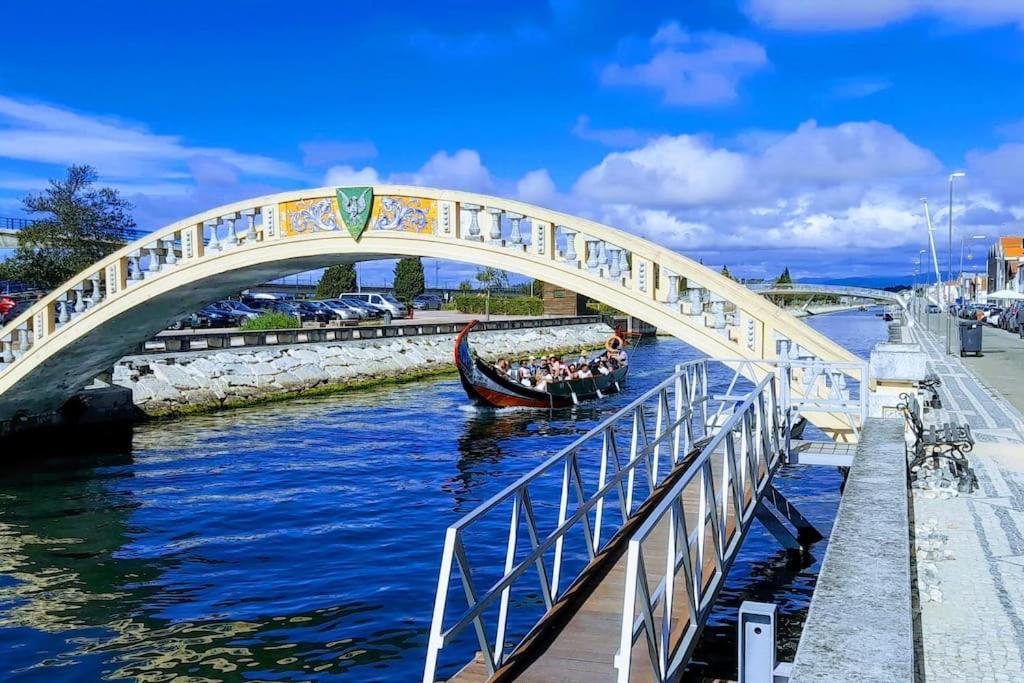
point(358, 311)
point(338, 310)
point(281, 306)
point(427, 302)
point(6, 304)
point(370, 310)
point(313, 312)
point(15, 309)
point(238, 312)
point(389, 303)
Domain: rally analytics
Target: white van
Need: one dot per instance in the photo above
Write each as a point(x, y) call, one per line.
point(383, 301)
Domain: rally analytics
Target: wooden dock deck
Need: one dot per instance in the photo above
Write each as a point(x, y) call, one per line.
point(579, 642)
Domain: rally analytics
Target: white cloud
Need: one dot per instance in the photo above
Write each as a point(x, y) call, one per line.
point(691, 68)
point(537, 187)
point(1000, 171)
point(347, 175)
point(43, 133)
point(850, 151)
point(461, 171)
point(862, 14)
point(828, 191)
point(609, 137)
point(668, 171)
point(860, 87)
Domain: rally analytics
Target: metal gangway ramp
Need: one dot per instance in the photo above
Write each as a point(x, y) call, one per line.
point(615, 580)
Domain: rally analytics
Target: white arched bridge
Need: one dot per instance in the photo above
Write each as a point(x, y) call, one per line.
point(82, 328)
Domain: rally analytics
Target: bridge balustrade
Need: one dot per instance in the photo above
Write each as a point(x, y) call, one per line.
point(713, 313)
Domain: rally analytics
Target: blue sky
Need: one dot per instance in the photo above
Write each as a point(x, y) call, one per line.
point(757, 134)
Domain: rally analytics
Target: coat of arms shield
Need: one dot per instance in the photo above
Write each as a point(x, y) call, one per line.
point(354, 205)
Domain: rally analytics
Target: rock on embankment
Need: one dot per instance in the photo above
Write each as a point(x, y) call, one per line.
point(188, 382)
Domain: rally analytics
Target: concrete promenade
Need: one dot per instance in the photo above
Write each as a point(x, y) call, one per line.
point(970, 548)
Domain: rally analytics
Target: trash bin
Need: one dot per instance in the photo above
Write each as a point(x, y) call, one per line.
point(970, 338)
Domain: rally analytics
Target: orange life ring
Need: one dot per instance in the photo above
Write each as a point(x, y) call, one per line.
point(608, 344)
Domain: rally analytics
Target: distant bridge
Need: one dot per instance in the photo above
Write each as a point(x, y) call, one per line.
point(867, 293)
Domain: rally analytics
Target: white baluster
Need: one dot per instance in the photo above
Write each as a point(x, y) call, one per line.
point(495, 225)
point(63, 311)
point(696, 307)
point(474, 221)
point(250, 231)
point(591, 248)
point(570, 245)
point(154, 258)
point(613, 263)
point(539, 235)
point(135, 267)
point(718, 309)
point(232, 239)
point(79, 300)
point(214, 244)
point(515, 238)
point(624, 264)
point(673, 288)
point(170, 258)
point(602, 256)
point(22, 341)
point(96, 296)
point(8, 352)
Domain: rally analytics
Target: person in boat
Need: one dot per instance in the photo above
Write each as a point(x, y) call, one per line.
point(503, 367)
point(524, 374)
point(584, 372)
point(602, 367)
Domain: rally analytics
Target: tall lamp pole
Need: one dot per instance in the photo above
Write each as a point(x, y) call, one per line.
point(949, 320)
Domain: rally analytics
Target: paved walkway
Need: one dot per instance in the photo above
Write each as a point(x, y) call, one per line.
point(970, 549)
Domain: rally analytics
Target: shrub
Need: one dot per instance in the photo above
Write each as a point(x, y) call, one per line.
point(271, 321)
point(500, 305)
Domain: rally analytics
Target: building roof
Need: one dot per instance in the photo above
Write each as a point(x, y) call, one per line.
point(1012, 246)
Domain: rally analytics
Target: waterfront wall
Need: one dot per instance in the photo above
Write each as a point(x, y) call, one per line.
point(166, 384)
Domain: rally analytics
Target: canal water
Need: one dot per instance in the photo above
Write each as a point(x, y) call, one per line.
point(301, 540)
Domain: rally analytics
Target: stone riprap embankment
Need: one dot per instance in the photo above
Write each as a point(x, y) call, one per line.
point(172, 383)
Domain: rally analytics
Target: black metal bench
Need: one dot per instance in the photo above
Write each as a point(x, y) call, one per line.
point(950, 442)
point(931, 383)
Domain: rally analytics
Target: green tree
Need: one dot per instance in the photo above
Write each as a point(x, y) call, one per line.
point(336, 280)
point(465, 286)
point(784, 279)
point(409, 278)
point(77, 226)
point(726, 273)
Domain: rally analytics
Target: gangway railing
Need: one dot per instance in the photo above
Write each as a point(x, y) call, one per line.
point(721, 449)
point(806, 386)
point(597, 494)
point(693, 535)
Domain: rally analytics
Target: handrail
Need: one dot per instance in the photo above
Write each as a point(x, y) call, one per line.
point(755, 424)
point(674, 404)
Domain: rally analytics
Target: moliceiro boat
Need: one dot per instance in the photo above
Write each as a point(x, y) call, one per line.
point(487, 385)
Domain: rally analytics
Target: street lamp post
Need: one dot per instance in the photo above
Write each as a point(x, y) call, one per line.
point(949, 320)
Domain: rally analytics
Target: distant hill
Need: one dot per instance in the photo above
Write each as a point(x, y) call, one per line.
point(876, 282)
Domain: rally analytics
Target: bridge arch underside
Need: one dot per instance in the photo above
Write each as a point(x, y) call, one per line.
point(96, 342)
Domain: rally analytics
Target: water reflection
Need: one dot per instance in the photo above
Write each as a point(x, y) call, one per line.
point(298, 540)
